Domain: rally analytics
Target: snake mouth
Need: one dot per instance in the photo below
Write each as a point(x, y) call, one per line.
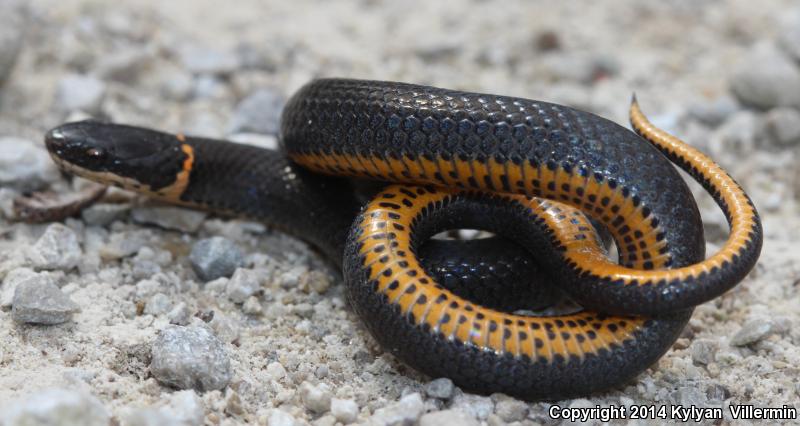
point(127, 156)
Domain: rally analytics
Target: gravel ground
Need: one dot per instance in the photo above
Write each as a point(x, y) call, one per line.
point(104, 315)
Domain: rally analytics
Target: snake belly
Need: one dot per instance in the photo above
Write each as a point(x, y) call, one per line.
point(526, 170)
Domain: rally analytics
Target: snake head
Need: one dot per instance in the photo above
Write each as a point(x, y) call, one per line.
point(130, 157)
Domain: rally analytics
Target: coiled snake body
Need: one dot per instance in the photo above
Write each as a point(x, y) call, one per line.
point(526, 170)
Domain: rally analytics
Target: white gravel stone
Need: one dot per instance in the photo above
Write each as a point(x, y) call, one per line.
point(442, 388)
point(11, 281)
point(752, 332)
point(24, 165)
point(174, 218)
point(276, 371)
point(159, 304)
point(63, 407)
point(315, 398)
point(276, 417)
point(448, 418)
point(57, 248)
point(102, 214)
point(215, 257)
point(510, 409)
point(243, 284)
point(258, 113)
point(478, 406)
point(37, 300)
point(407, 411)
point(344, 410)
point(185, 407)
point(80, 92)
point(190, 358)
point(180, 314)
point(774, 82)
point(783, 126)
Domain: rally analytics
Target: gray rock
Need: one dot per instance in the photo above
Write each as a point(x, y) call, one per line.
point(716, 392)
point(167, 217)
point(63, 407)
point(783, 126)
point(190, 358)
point(80, 92)
point(407, 411)
point(344, 410)
point(57, 248)
point(12, 279)
point(315, 398)
point(11, 37)
point(703, 351)
point(688, 396)
point(225, 328)
point(243, 284)
point(767, 78)
point(448, 418)
point(123, 244)
point(752, 332)
point(24, 165)
point(441, 388)
point(38, 300)
point(199, 60)
point(258, 113)
point(177, 86)
point(102, 214)
point(510, 409)
point(215, 257)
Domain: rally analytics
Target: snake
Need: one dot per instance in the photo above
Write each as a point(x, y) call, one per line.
point(546, 179)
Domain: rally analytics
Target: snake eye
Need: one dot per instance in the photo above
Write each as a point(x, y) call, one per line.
point(95, 152)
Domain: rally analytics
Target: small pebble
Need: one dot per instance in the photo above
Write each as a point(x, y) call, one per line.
point(167, 217)
point(103, 214)
point(12, 279)
point(38, 300)
point(252, 306)
point(315, 398)
point(159, 304)
point(510, 409)
point(68, 407)
point(703, 351)
point(243, 284)
point(477, 406)
point(258, 113)
point(57, 248)
point(277, 417)
point(276, 371)
point(774, 82)
point(315, 281)
point(441, 388)
point(124, 66)
point(190, 358)
point(180, 314)
point(80, 92)
point(344, 410)
point(215, 257)
point(24, 165)
point(783, 126)
point(752, 332)
point(448, 418)
point(407, 411)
